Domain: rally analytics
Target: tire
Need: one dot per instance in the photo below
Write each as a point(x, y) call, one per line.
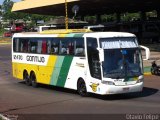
point(34, 80)
point(156, 72)
point(152, 71)
point(81, 88)
point(26, 79)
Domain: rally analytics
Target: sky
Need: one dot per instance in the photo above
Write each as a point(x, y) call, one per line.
point(1, 1)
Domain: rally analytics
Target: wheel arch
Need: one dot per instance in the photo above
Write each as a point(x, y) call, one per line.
point(25, 71)
point(80, 79)
point(32, 73)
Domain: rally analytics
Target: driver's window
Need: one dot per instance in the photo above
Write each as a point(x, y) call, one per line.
point(93, 58)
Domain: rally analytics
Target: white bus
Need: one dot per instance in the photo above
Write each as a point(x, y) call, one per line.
point(89, 62)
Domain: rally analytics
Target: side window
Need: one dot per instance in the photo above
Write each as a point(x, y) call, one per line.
point(49, 46)
point(16, 45)
point(70, 46)
point(39, 46)
point(44, 46)
point(66, 46)
point(24, 45)
point(20, 45)
point(54, 46)
point(79, 47)
point(63, 46)
point(33, 45)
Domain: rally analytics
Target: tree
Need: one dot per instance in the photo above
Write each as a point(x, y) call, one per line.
point(0, 10)
point(6, 9)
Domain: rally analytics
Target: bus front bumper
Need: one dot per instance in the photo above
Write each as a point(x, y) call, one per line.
point(113, 89)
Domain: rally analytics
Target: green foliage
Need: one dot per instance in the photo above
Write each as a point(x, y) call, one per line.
point(91, 19)
point(108, 18)
point(9, 15)
point(6, 7)
point(2, 31)
point(130, 16)
point(151, 14)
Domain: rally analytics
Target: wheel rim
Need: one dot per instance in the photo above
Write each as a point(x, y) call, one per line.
point(156, 72)
point(152, 71)
point(34, 83)
point(26, 79)
point(82, 89)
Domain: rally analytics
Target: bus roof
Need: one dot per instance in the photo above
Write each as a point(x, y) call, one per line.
point(55, 33)
point(108, 34)
point(64, 31)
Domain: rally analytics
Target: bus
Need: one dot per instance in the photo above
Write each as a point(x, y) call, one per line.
point(89, 62)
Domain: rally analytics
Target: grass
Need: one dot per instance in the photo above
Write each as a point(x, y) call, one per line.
point(5, 40)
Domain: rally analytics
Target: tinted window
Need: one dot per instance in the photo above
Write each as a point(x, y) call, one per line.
point(93, 58)
point(79, 47)
point(63, 46)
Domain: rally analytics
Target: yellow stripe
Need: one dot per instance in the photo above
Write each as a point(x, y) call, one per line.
point(61, 35)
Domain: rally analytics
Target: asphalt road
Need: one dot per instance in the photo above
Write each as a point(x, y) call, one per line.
point(18, 99)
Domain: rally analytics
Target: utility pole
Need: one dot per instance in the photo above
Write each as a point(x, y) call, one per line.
point(66, 18)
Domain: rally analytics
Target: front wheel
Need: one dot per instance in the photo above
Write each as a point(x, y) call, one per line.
point(81, 87)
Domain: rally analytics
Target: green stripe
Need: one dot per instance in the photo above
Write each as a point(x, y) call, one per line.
point(70, 35)
point(64, 71)
point(79, 35)
point(56, 70)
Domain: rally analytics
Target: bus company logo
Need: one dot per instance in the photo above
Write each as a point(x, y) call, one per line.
point(35, 59)
point(94, 86)
point(80, 64)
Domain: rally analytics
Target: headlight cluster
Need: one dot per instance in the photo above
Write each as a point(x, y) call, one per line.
point(108, 82)
point(140, 80)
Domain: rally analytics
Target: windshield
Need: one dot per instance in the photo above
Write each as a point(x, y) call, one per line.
point(120, 63)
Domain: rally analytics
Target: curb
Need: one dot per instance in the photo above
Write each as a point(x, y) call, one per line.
point(147, 71)
point(147, 74)
point(5, 43)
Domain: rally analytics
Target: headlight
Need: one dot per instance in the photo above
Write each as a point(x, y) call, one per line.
point(108, 82)
point(140, 80)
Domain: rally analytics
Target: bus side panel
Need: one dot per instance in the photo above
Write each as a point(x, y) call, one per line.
point(60, 71)
point(15, 70)
point(77, 70)
point(64, 70)
point(18, 69)
point(56, 70)
point(45, 72)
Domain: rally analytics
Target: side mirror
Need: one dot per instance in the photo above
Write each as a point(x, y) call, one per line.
point(101, 54)
point(147, 52)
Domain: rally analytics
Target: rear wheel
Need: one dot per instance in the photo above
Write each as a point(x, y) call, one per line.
point(34, 80)
point(81, 87)
point(26, 79)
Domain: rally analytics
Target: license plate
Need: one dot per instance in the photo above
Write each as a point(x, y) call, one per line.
point(126, 89)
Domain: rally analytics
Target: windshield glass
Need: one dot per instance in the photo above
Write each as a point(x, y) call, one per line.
point(120, 63)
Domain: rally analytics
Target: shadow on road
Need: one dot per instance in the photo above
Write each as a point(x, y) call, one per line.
point(145, 93)
point(54, 88)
